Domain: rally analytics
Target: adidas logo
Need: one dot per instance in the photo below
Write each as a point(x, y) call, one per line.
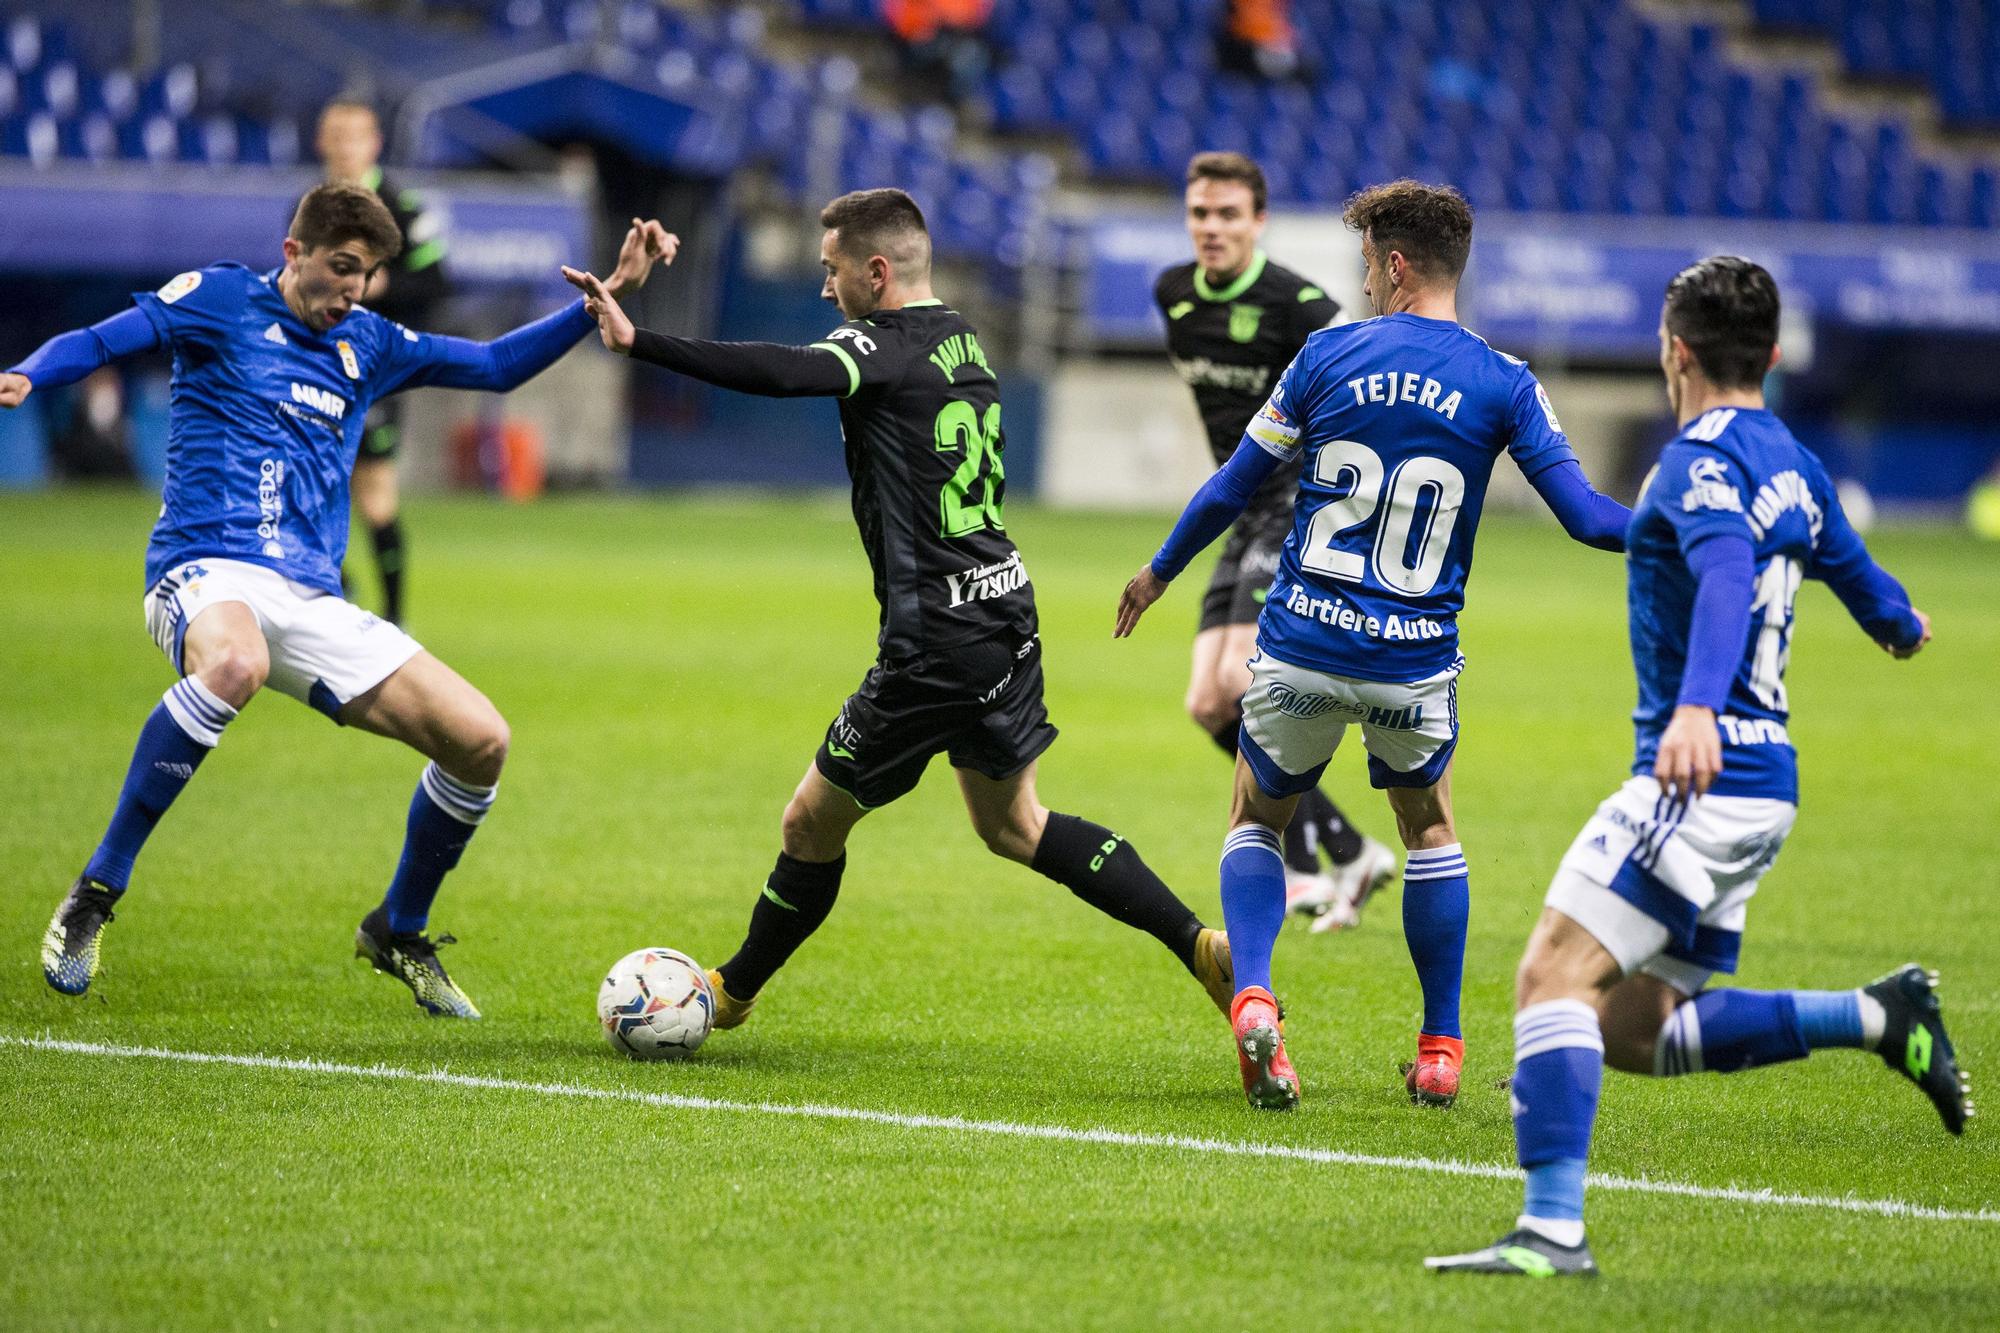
point(274, 334)
point(1598, 844)
point(181, 771)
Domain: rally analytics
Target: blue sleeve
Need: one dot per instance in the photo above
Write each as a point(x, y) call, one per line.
point(1535, 438)
point(1701, 492)
point(1220, 502)
point(1272, 438)
point(68, 357)
point(1869, 592)
point(200, 308)
point(411, 359)
point(1586, 513)
point(1725, 569)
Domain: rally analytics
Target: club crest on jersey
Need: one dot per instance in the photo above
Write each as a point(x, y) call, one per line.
point(862, 342)
point(1709, 488)
point(179, 287)
point(347, 360)
point(1243, 322)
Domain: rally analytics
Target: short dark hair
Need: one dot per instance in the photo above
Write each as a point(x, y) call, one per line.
point(1725, 309)
point(1430, 224)
point(1231, 167)
point(351, 102)
point(884, 222)
point(333, 214)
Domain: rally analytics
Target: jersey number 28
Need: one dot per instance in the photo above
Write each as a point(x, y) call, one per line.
point(1406, 560)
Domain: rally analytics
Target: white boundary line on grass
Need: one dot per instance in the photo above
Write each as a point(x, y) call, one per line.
point(1010, 1129)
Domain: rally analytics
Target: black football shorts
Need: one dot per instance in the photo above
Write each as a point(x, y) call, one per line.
point(979, 703)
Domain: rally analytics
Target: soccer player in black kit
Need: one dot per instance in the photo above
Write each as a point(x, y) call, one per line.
point(959, 670)
point(410, 290)
point(1234, 322)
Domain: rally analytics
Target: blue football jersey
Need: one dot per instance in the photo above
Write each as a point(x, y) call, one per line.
point(1397, 422)
point(264, 420)
point(1731, 470)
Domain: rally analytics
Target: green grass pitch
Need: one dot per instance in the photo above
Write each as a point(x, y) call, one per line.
point(668, 668)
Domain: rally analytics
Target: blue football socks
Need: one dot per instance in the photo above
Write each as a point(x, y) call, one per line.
point(1723, 1031)
point(1558, 1069)
point(1253, 901)
point(1437, 900)
point(185, 725)
point(444, 814)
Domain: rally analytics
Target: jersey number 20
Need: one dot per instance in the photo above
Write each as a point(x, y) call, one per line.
point(1406, 561)
point(971, 497)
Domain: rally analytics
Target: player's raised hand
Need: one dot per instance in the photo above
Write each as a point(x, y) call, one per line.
point(14, 390)
point(612, 324)
point(1690, 753)
point(1144, 589)
point(646, 243)
point(1900, 654)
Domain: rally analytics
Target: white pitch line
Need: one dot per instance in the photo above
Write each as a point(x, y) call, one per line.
point(1014, 1129)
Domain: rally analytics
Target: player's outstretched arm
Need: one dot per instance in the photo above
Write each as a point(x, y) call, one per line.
point(513, 359)
point(68, 357)
point(770, 370)
point(1220, 502)
point(1587, 514)
point(1870, 593)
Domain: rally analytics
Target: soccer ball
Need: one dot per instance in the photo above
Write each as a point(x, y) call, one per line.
point(655, 1005)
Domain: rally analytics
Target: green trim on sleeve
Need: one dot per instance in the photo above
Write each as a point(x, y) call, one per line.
point(853, 372)
point(423, 256)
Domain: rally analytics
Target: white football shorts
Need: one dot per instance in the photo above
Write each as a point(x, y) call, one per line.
point(325, 650)
point(1665, 885)
point(1294, 718)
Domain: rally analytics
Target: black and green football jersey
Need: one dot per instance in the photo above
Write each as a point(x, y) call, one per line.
point(1231, 343)
point(926, 453)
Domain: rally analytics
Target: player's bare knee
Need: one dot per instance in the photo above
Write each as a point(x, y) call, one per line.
point(235, 672)
point(1422, 834)
point(806, 835)
point(1631, 1015)
point(1014, 836)
point(487, 750)
point(1211, 709)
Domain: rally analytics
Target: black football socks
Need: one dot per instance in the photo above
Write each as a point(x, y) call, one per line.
point(795, 900)
point(388, 542)
point(1102, 868)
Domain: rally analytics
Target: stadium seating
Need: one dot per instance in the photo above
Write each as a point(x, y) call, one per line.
point(62, 102)
point(1951, 46)
point(1570, 105)
point(1584, 106)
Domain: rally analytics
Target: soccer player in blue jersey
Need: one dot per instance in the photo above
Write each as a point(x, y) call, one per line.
point(1649, 903)
point(273, 375)
point(1397, 422)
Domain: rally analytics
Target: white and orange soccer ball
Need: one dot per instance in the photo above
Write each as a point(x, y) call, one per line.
point(655, 1004)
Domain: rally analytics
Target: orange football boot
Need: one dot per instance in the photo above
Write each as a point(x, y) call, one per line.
point(1432, 1079)
point(1269, 1080)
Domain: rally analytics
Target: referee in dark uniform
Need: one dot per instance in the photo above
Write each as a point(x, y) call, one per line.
point(410, 290)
